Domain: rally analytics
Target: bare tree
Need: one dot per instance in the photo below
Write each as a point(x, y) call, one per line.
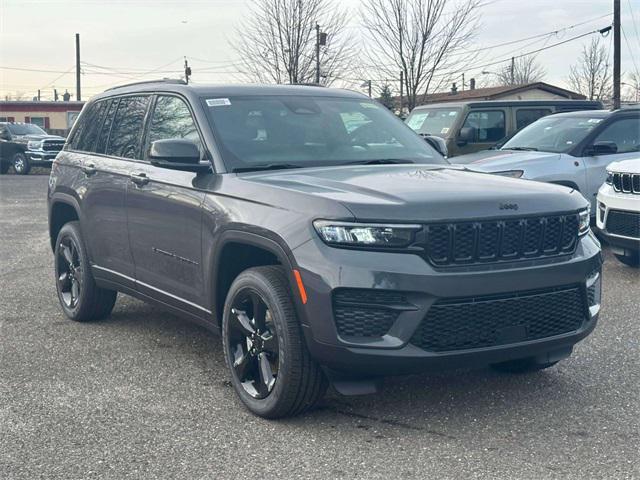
point(632, 90)
point(591, 76)
point(419, 39)
point(525, 70)
point(277, 41)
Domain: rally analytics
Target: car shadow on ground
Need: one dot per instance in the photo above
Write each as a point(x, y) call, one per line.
point(431, 403)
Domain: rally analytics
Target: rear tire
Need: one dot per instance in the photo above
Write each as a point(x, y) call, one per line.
point(298, 382)
point(630, 259)
point(522, 365)
point(21, 164)
point(81, 299)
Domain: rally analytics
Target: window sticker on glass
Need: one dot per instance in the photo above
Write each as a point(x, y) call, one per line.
point(453, 113)
point(444, 130)
point(218, 102)
point(594, 120)
point(416, 120)
point(369, 105)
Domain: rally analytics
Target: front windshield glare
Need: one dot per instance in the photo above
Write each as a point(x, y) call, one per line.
point(306, 131)
point(553, 134)
point(25, 129)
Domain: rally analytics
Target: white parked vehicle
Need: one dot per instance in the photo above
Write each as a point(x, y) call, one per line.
point(618, 216)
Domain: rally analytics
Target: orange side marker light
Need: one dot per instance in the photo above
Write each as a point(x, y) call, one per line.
point(303, 292)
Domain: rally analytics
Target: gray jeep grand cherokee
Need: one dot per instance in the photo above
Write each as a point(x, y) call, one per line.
point(320, 236)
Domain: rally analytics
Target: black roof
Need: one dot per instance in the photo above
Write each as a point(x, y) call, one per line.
point(595, 113)
point(230, 90)
point(517, 103)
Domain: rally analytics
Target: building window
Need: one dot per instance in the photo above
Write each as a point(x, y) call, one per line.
point(39, 121)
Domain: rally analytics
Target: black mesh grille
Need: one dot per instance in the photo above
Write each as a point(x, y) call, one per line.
point(365, 313)
point(623, 223)
point(477, 322)
point(500, 240)
point(52, 146)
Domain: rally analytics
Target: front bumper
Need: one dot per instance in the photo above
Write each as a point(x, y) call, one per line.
point(325, 269)
point(41, 157)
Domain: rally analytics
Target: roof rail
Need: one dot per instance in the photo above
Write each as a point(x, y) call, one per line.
point(174, 81)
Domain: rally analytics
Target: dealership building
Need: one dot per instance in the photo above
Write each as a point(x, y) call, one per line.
point(54, 117)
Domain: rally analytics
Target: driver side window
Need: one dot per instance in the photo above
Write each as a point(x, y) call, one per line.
point(624, 133)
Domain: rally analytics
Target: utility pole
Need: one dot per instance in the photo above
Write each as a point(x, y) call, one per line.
point(317, 53)
point(78, 94)
point(401, 91)
point(55, 95)
point(616, 54)
point(463, 82)
point(513, 70)
point(38, 94)
point(187, 70)
point(369, 82)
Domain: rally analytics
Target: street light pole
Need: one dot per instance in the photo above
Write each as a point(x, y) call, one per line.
point(616, 54)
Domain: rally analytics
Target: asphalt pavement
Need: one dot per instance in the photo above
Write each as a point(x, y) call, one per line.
point(145, 394)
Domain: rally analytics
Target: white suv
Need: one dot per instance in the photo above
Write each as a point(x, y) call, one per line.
point(618, 216)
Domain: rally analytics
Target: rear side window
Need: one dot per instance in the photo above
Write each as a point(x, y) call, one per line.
point(126, 131)
point(86, 138)
point(172, 119)
point(525, 116)
point(489, 125)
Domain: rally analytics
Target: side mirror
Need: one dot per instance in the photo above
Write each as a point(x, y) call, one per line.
point(602, 148)
point(438, 144)
point(176, 154)
point(466, 135)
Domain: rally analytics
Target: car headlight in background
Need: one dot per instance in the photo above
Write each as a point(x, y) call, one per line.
point(34, 144)
point(365, 235)
point(584, 219)
point(511, 173)
point(609, 179)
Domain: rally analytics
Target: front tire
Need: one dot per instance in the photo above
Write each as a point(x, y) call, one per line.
point(271, 369)
point(81, 299)
point(631, 259)
point(21, 164)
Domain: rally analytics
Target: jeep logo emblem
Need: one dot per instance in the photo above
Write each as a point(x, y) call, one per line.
point(508, 206)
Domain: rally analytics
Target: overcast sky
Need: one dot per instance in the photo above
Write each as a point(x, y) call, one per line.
point(142, 35)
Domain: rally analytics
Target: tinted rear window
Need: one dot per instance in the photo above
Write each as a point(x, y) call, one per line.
point(124, 139)
point(85, 139)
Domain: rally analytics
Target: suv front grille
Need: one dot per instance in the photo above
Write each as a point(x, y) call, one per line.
point(463, 243)
point(623, 223)
point(626, 182)
point(477, 322)
point(366, 313)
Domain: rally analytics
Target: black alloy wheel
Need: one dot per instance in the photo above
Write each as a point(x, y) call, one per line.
point(253, 344)
point(69, 272)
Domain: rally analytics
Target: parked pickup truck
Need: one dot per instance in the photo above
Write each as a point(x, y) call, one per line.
point(23, 145)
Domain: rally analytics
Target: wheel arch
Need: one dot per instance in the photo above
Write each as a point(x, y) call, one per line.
point(63, 209)
point(237, 251)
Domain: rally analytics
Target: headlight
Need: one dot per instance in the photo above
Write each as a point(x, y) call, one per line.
point(609, 179)
point(511, 173)
point(34, 144)
point(365, 235)
point(584, 220)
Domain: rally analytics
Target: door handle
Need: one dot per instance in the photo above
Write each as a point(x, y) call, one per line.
point(139, 179)
point(89, 169)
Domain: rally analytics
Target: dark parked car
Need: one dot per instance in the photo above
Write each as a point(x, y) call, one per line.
point(23, 145)
point(320, 236)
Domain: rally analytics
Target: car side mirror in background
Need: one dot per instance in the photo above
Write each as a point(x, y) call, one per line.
point(602, 148)
point(466, 135)
point(438, 144)
point(176, 154)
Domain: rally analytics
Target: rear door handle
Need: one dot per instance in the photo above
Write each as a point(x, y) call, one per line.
point(139, 179)
point(89, 169)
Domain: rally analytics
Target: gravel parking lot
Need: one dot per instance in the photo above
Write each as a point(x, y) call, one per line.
point(146, 395)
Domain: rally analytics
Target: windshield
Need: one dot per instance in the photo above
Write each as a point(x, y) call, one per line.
point(553, 134)
point(433, 121)
point(25, 129)
point(305, 131)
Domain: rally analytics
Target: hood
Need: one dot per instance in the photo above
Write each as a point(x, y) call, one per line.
point(32, 137)
point(500, 160)
point(413, 193)
point(625, 166)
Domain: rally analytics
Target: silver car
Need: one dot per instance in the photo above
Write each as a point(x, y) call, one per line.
point(571, 149)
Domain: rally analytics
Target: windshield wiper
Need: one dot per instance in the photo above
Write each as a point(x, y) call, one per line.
point(527, 149)
point(381, 161)
point(266, 166)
